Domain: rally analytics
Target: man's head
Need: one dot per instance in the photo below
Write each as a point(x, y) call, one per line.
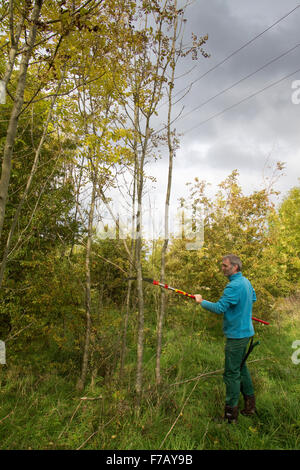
point(231, 264)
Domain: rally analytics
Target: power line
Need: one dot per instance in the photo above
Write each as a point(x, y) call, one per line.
point(231, 86)
point(241, 101)
point(239, 81)
point(227, 58)
point(238, 50)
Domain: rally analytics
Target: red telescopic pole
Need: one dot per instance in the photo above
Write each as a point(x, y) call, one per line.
point(166, 286)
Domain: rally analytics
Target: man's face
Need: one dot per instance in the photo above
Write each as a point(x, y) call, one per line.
point(228, 268)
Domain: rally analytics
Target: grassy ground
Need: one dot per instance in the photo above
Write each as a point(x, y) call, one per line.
point(41, 410)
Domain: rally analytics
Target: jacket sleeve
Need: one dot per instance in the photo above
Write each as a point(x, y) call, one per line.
point(254, 296)
point(230, 297)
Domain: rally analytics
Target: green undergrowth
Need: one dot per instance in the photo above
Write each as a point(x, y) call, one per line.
point(40, 408)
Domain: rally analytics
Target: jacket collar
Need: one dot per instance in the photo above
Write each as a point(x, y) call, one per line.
point(235, 276)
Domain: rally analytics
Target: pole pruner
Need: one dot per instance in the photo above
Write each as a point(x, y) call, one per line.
point(178, 291)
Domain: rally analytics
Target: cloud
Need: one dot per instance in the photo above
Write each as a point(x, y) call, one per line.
point(265, 126)
point(251, 136)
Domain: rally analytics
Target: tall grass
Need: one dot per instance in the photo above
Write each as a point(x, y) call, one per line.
point(41, 410)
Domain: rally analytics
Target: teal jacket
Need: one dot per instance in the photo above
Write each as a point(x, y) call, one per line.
point(236, 305)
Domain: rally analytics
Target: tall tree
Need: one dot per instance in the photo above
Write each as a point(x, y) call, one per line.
point(171, 151)
point(28, 184)
point(100, 141)
point(151, 56)
point(18, 100)
point(285, 225)
point(39, 40)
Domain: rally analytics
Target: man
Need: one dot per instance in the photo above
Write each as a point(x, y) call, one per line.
point(236, 305)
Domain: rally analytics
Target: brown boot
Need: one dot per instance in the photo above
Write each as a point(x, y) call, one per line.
point(250, 408)
point(231, 414)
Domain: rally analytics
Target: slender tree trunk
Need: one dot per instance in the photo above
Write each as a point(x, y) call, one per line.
point(17, 107)
point(14, 41)
point(167, 203)
point(28, 185)
point(140, 341)
point(86, 351)
point(126, 317)
point(124, 337)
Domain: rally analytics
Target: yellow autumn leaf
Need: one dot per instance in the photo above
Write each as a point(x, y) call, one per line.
point(253, 430)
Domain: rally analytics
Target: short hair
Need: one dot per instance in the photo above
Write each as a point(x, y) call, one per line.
point(234, 260)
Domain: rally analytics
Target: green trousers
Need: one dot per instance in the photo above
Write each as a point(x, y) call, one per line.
point(236, 379)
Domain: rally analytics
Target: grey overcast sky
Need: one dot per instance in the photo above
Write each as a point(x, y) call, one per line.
point(252, 136)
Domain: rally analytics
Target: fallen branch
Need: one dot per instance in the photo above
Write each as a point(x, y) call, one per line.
point(93, 398)
point(206, 374)
point(199, 377)
point(90, 437)
point(180, 414)
point(82, 399)
point(68, 424)
point(7, 416)
point(94, 433)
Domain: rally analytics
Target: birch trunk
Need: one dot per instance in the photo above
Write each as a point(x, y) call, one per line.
point(140, 341)
point(167, 203)
point(126, 318)
point(86, 351)
point(14, 41)
point(17, 107)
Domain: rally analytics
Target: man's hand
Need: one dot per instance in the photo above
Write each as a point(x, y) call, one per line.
point(198, 298)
